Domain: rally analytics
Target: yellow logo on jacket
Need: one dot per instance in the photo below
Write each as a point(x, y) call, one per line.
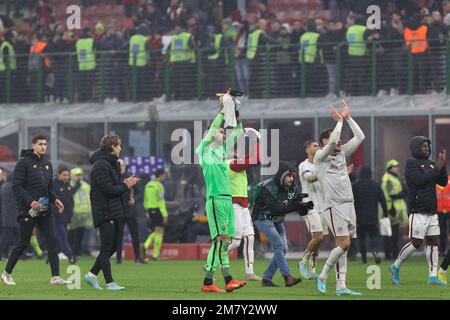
point(35, 166)
point(47, 167)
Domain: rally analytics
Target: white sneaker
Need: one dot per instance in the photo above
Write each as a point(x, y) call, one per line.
point(62, 256)
point(114, 100)
point(394, 92)
point(59, 281)
point(7, 279)
point(382, 93)
point(252, 277)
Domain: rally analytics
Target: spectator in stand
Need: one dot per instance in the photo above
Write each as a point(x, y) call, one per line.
point(129, 7)
point(395, 66)
point(112, 43)
point(283, 81)
point(99, 32)
point(59, 47)
point(175, 12)
point(240, 55)
point(329, 42)
point(44, 13)
point(153, 17)
point(437, 35)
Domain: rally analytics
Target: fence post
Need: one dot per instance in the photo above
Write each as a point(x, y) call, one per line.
point(374, 68)
point(102, 77)
point(39, 82)
point(338, 69)
point(302, 74)
point(232, 68)
point(267, 72)
point(199, 75)
point(447, 66)
point(70, 78)
point(8, 81)
point(167, 76)
point(410, 72)
point(134, 80)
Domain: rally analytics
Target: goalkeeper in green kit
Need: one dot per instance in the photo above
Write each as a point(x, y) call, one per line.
point(212, 153)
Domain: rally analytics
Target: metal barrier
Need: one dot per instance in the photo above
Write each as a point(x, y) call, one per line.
point(276, 71)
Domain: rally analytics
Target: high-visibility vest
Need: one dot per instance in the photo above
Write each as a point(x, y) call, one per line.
point(11, 57)
point(217, 42)
point(252, 43)
point(154, 197)
point(138, 50)
point(355, 39)
point(399, 204)
point(443, 198)
point(238, 182)
point(179, 48)
point(308, 45)
point(85, 54)
point(37, 48)
point(417, 39)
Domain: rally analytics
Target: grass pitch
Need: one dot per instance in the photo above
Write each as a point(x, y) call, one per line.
point(180, 280)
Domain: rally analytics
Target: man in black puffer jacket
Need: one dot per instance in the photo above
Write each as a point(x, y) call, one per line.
point(32, 183)
point(107, 201)
point(422, 175)
point(368, 194)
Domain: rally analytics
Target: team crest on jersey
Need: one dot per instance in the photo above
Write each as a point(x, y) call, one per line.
point(422, 166)
point(61, 190)
point(35, 166)
point(223, 228)
point(339, 229)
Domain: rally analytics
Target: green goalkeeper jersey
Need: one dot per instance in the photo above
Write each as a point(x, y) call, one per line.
point(213, 159)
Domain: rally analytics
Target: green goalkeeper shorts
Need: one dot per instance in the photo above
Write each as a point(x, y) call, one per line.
point(219, 210)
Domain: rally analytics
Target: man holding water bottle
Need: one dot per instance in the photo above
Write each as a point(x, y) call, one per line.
point(33, 188)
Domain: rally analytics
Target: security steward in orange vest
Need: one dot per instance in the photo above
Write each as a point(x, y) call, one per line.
point(416, 41)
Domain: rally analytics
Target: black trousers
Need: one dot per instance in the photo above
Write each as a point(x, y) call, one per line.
point(8, 237)
point(391, 244)
point(444, 219)
point(76, 240)
point(46, 227)
point(446, 262)
point(371, 231)
point(109, 242)
point(133, 227)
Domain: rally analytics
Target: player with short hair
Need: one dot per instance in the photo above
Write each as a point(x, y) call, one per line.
point(314, 219)
point(212, 153)
point(331, 169)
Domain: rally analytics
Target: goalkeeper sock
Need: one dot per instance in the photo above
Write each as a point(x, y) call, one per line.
point(157, 246)
point(150, 239)
point(35, 245)
point(333, 257)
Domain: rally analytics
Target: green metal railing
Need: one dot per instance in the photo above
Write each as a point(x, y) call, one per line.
point(274, 72)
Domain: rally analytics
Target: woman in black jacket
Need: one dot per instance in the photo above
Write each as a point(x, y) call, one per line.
point(107, 190)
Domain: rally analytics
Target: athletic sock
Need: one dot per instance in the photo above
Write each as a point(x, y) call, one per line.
point(150, 239)
point(306, 257)
point(208, 281)
point(407, 250)
point(228, 279)
point(341, 272)
point(234, 245)
point(432, 259)
point(157, 246)
point(35, 244)
point(249, 253)
point(333, 257)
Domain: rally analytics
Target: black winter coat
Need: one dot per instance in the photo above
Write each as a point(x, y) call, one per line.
point(32, 180)
point(65, 193)
point(8, 204)
point(107, 189)
point(367, 194)
point(422, 175)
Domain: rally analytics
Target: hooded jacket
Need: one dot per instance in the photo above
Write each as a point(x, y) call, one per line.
point(422, 175)
point(274, 200)
point(32, 180)
point(367, 194)
point(107, 189)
